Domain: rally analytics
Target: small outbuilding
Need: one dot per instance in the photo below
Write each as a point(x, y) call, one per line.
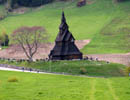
point(65, 48)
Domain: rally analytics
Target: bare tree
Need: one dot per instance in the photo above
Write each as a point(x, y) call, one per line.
point(29, 39)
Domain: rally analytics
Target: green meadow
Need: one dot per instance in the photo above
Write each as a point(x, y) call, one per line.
point(114, 36)
point(83, 67)
point(105, 22)
point(59, 87)
point(82, 21)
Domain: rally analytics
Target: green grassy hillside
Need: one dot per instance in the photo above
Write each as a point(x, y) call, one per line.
point(114, 37)
point(89, 68)
point(2, 10)
point(104, 22)
point(84, 22)
point(58, 87)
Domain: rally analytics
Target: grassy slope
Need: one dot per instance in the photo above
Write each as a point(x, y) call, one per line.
point(93, 68)
point(114, 36)
point(103, 21)
point(84, 22)
point(58, 87)
point(2, 10)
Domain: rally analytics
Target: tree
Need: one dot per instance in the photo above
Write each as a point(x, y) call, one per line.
point(119, 0)
point(5, 41)
point(29, 39)
point(33, 3)
point(2, 1)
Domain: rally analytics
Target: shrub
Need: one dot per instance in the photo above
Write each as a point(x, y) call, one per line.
point(4, 39)
point(12, 4)
point(127, 71)
point(13, 79)
point(2, 1)
point(83, 71)
point(33, 3)
point(81, 3)
point(40, 93)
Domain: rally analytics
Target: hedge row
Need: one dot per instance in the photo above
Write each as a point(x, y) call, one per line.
point(28, 3)
point(33, 3)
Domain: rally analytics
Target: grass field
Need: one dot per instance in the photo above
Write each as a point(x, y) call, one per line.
point(59, 87)
point(2, 11)
point(89, 68)
point(84, 22)
point(113, 37)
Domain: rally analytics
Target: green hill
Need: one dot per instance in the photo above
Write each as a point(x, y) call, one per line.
point(84, 67)
point(114, 36)
point(58, 87)
point(104, 22)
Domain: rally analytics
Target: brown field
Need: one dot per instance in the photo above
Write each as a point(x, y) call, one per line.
point(115, 58)
point(15, 51)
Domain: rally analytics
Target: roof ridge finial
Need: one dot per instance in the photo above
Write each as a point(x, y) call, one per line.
point(62, 9)
point(63, 16)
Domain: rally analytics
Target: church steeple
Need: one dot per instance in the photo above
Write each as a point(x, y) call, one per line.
point(63, 24)
point(64, 33)
point(63, 18)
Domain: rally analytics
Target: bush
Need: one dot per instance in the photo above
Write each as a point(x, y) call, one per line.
point(2, 1)
point(12, 4)
point(4, 39)
point(83, 71)
point(81, 3)
point(33, 3)
point(13, 79)
point(127, 71)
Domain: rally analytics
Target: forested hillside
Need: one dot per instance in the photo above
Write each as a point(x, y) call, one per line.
point(26, 2)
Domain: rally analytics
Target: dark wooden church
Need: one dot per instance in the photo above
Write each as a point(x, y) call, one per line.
point(65, 48)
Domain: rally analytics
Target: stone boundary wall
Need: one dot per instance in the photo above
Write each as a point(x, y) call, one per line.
point(44, 60)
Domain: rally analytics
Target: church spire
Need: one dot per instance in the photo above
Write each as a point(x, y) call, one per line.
point(64, 33)
point(63, 17)
point(63, 25)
